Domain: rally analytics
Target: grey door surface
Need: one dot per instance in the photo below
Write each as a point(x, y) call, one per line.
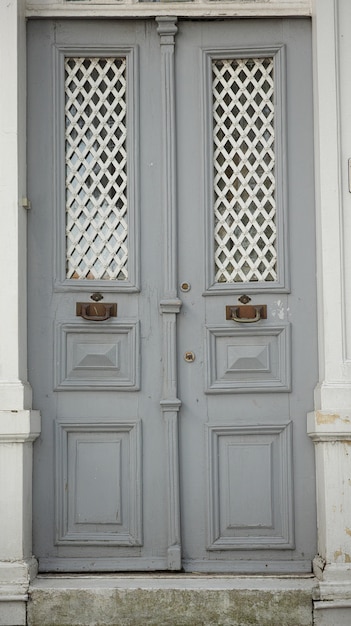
point(173, 421)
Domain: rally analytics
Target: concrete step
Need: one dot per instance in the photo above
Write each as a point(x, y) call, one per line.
point(171, 600)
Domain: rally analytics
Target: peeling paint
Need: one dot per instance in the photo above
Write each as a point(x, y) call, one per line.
point(348, 531)
point(346, 558)
point(330, 418)
point(280, 311)
point(336, 509)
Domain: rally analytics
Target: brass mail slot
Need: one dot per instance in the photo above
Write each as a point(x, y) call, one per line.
point(96, 311)
point(246, 313)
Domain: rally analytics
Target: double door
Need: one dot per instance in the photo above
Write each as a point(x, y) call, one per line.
point(172, 324)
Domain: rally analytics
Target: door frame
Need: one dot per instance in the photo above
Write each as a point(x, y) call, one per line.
point(67, 38)
point(20, 424)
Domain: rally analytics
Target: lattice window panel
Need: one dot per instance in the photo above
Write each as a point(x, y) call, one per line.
point(245, 229)
point(96, 168)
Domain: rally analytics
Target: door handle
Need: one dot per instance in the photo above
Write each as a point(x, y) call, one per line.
point(247, 314)
point(96, 311)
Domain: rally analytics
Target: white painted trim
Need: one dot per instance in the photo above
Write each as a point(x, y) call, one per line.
point(19, 426)
point(343, 50)
point(109, 8)
point(15, 394)
point(327, 426)
point(330, 393)
point(14, 390)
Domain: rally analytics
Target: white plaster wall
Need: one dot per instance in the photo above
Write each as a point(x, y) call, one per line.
point(18, 425)
point(330, 425)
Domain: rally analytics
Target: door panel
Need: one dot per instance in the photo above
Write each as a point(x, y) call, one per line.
point(107, 463)
point(97, 505)
point(243, 238)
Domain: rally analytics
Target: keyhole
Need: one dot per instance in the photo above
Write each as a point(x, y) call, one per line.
point(189, 357)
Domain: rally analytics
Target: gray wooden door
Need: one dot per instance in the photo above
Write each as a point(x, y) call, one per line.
point(173, 373)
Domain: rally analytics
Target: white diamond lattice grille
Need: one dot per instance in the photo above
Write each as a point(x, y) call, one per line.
point(244, 170)
point(96, 168)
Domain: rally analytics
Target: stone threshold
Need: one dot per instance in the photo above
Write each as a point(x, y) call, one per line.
point(171, 600)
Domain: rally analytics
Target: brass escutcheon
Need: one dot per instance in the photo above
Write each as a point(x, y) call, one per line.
point(185, 286)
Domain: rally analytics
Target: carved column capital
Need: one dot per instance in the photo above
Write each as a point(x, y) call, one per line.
point(167, 29)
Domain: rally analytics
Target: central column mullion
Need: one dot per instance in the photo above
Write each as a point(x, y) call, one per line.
point(170, 304)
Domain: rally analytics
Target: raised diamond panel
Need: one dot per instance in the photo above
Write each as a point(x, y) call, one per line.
point(93, 358)
point(98, 355)
point(248, 358)
point(244, 360)
point(245, 229)
point(96, 168)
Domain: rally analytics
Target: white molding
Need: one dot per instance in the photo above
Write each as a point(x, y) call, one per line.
point(343, 15)
point(336, 582)
point(209, 8)
point(14, 390)
point(331, 434)
point(14, 576)
point(19, 426)
point(329, 217)
point(327, 426)
point(15, 395)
